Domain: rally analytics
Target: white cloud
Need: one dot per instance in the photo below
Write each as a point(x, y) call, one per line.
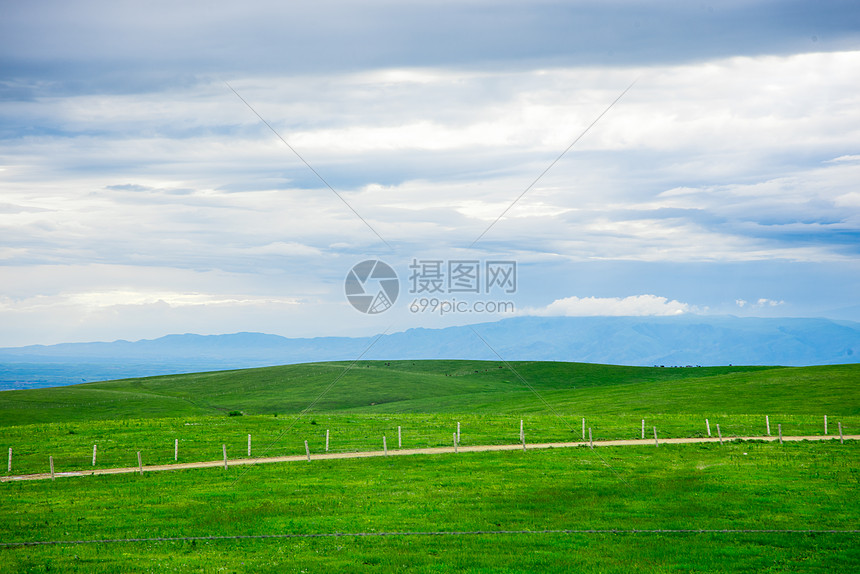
point(721, 161)
point(634, 305)
point(845, 159)
point(91, 299)
point(759, 304)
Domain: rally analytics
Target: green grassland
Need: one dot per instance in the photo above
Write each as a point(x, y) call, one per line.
point(737, 486)
point(743, 485)
point(448, 387)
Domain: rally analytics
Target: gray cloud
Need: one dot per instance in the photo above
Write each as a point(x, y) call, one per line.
point(128, 47)
point(725, 174)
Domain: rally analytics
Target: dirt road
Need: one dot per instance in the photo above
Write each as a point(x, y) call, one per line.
point(409, 451)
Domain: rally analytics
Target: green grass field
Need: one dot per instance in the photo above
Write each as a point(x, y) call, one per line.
point(448, 387)
point(738, 486)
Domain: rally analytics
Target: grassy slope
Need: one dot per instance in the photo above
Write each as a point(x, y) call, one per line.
point(448, 386)
point(739, 486)
point(796, 486)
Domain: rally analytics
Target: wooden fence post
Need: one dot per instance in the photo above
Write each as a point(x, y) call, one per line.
point(175, 449)
point(455, 443)
point(326, 440)
point(307, 451)
point(590, 439)
point(825, 425)
point(719, 433)
point(643, 429)
point(779, 426)
point(840, 442)
point(583, 428)
point(655, 437)
point(767, 422)
point(10, 460)
point(522, 431)
point(94, 455)
point(708, 426)
point(458, 431)
point(51, 460)
point(139, 463)
point(384, 446)
point(399, 438)
point(224, 448)
point(249, 445)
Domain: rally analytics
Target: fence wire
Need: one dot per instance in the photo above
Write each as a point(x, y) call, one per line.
point(429, 533)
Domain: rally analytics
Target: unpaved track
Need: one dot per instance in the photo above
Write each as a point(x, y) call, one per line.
point(410, 451)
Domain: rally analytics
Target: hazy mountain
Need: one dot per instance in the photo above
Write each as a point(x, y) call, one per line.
point(681, 340)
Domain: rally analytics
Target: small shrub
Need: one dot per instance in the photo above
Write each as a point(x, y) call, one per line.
point(235, 413)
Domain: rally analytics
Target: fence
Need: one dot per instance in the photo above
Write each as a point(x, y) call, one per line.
point(371, 432)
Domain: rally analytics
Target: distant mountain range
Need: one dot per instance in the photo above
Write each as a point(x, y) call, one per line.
point(670, 341)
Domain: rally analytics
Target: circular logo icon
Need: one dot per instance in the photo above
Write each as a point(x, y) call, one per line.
point(372, 286)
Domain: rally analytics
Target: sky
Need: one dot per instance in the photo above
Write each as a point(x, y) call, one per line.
point(215, 167)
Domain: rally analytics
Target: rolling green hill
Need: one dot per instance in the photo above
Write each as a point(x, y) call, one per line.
point(775, 490)
point(448, 387)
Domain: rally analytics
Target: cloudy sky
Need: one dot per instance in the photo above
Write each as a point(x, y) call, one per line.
point(140, 196)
